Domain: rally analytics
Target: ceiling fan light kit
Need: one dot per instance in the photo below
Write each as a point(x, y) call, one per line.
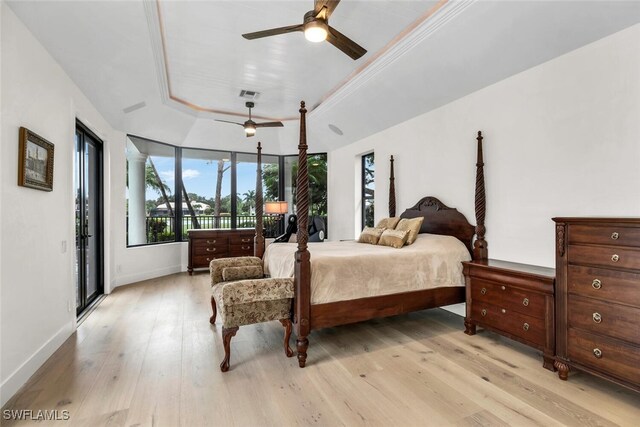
point(250, 129)
point(315, 29)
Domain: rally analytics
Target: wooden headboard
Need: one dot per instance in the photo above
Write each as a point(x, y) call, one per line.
point(441, 219)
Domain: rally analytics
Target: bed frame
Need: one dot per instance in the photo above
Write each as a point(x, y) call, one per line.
point(438, 219)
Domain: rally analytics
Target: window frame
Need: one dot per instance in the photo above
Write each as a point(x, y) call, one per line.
point(363, 196)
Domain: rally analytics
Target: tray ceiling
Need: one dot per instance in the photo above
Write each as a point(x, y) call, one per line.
point(208, 63)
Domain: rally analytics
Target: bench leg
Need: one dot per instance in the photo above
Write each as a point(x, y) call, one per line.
point(227, 334)
point(212, 319)
point(287, 334)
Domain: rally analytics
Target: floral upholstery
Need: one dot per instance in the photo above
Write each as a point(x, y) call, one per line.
point(231, 274)
point(253, 301)
point(218, 265)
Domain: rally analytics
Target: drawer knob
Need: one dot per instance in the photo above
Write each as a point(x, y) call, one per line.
point(525, 326)
point(503, 287)
point(484, 312)
point(208, 259)
point(615, 235)
point(525, 302)
point(503, 311)
point(615, 257)
point(211, 250)
point(246, 240)
point(597, 353)
point(596, 284)
point(211, 242)
point(246, 247)
point(597, 317)
point(483, 291)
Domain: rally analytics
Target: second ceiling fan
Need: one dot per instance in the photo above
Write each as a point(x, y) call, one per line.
point(250, 126)
point(316, 28)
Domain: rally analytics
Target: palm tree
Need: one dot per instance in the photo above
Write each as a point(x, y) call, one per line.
point(249, 199)
point(153, 181)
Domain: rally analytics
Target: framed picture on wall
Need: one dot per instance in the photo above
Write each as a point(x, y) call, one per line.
point(35, 162)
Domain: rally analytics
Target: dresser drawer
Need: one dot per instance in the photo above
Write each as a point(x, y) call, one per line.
point(202, 261)
point(241, 239)
point(506, 296)
point(613, 320)
point(204, 249)
point(606, 256)
point(610, 285)
point(245, 249)
point(211, 241)
point(528, 328)
point(607, 355)
point(604, 235)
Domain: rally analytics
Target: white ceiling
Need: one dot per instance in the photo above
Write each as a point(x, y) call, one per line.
point(185, 58)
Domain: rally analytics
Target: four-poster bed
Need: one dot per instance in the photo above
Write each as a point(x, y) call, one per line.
point(438, 220)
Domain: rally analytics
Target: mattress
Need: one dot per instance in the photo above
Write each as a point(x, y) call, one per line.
point(342, 271)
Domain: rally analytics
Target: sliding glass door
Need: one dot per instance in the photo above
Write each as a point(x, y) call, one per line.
point(88, 218)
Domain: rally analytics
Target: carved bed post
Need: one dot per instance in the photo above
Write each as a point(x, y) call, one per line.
point(258, 247)
point(392, 191)
point(480, 251)
point(302, 275)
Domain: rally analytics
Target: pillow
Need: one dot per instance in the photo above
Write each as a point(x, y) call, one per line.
point(230, 274)
point(394, 238)
point(412, 225)
point(370, 235)
point(389, 223)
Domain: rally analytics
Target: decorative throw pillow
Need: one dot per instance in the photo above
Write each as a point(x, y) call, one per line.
point(394, 238)
point(388, 223)
point(370, 235)
point(230, 274)
point(412, 225)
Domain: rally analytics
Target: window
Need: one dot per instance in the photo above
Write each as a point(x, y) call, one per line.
point(150, 192)
point(216, 189)
point(368, 189)
point(246, 169)
point(317, 165)
point(206, 194)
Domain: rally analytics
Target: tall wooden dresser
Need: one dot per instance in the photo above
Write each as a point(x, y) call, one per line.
point(208, 244)
point(598, 298)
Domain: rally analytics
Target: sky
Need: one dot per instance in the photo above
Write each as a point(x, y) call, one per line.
point(200, 176)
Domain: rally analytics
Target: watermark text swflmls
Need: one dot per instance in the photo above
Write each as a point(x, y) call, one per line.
point(36, 415)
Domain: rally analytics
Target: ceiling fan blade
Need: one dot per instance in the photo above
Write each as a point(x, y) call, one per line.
point(269, 125)
point(273, 32)
point(227, 121)
point(345, 44)
point(329, 4)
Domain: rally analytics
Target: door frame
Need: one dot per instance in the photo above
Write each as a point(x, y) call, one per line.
point(98, 175)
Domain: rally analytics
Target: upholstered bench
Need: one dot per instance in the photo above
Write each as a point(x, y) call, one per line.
point(242, 296)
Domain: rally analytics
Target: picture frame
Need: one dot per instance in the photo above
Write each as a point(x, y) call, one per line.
point(35, 161)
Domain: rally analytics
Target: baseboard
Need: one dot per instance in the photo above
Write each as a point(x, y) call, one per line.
point(21, 375)
point(146, 275)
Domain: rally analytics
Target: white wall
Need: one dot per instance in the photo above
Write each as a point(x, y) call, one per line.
point(561, 139)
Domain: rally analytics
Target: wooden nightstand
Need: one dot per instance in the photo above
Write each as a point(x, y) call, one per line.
point(514, 300)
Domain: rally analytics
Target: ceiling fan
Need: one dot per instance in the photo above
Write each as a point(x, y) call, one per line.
point(250, 126)
point(316, 28)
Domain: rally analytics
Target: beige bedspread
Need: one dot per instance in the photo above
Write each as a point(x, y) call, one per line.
point(342, 271)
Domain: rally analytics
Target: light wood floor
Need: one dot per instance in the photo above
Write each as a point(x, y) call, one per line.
point(148, 356)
